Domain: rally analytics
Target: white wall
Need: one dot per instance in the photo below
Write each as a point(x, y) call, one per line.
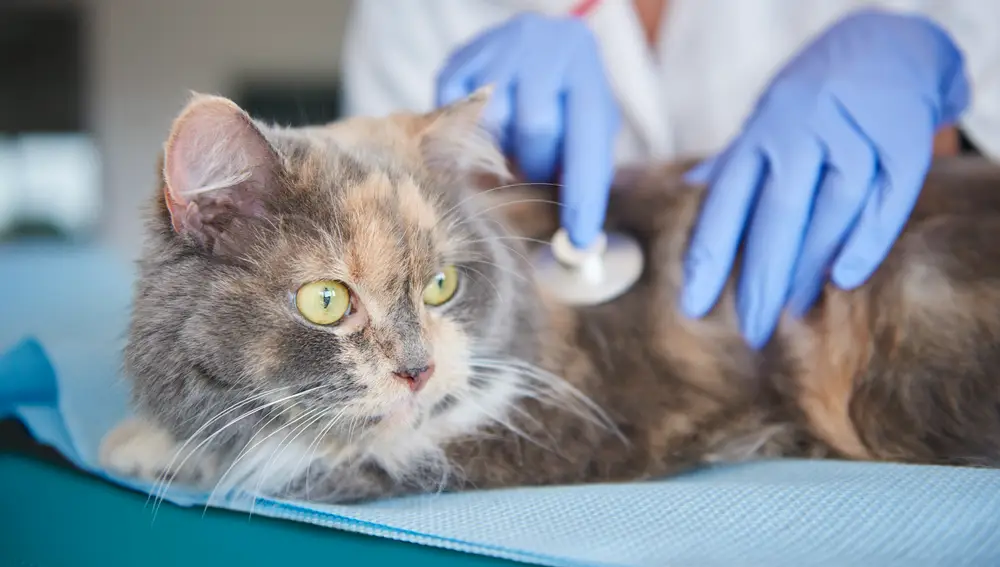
point(146, 55)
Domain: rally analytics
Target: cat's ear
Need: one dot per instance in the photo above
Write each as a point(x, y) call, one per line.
point(216, 167)
point(453, 139)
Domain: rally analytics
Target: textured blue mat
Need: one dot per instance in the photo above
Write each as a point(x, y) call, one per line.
point(62, 316)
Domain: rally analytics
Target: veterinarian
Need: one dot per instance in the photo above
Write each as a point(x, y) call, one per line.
point(821, 115)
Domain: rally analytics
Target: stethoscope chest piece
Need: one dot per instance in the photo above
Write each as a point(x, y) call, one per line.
point(606, 270)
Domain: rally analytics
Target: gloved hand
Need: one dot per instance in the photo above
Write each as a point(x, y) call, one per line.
point(826, 170)
point(552, 108)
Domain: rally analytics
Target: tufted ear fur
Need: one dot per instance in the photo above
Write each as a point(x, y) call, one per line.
point(452, 139)
point(216, 167)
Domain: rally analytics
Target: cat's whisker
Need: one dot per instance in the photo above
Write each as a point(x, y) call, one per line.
point(497, 241)
point(500, 297)
point(155, 493)
point(501, 268)
point(557, 390)
point(165, 486)
point(506, 423)
point(527, 184)
point(247, 451)
point(481, 194)
point(491, 239)
point(350, 430)
point(258, 430)
point(236, 405)
point(463, 245)
point(162, 477)
point(311, 450)
point(310, 417)
point(465, 256)
point(319, 418)
point(478, 214)
point(446, 215)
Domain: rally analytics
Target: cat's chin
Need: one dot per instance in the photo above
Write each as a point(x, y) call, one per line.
point(401, 412)
point(408, 412)
point(404, 416)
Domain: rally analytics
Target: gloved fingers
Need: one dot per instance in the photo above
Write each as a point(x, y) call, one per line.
point(497, 117)
point(452, 87)
point(903, 135)
point(774, 237)
point(502, 73)
point(538, 121)
point(488, 60)
point(716, 237)
point(591, 126)
point(456, 78)
point(845, 185)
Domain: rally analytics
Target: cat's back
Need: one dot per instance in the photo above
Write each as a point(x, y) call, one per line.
point(643, 194)
point(904, 367)
point(954, 226)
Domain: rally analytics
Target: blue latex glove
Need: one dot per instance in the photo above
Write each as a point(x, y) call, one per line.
point(552, 108)
point(834, 155)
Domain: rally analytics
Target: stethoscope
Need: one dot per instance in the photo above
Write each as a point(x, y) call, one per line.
point(608, 268)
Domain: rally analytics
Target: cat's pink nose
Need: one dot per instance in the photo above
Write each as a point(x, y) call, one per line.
point(415, 378)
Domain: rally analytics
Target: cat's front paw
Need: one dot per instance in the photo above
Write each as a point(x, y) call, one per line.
point(140, 449)
point(351, 484)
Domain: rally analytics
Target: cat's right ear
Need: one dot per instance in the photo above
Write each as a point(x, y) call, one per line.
point(216, 167)
point(453, 139)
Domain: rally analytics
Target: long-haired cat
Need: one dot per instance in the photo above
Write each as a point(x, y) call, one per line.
point(345, 312)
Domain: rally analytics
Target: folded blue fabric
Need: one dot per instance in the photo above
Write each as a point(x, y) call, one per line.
point(62, 381)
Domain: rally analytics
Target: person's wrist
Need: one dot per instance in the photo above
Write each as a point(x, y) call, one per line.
point(947, 141)
point(935, 42)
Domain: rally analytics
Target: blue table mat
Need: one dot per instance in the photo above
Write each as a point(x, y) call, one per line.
point(63, 312)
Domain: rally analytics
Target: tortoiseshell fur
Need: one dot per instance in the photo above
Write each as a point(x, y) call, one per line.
point(526, 391)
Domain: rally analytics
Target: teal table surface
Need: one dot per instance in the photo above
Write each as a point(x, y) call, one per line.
point(52, 516)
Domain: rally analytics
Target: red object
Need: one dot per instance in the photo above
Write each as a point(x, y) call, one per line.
point(584, 7)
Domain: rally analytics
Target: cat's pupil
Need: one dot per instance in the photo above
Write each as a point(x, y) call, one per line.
point(440, 280)
point(327, 297)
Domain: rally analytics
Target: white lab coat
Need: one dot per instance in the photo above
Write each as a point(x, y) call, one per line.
point(689, 95)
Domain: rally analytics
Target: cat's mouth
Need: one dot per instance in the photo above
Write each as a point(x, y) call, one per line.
point(412, 407)
point(409, 400)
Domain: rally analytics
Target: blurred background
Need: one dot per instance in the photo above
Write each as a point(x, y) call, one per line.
point(92, 85)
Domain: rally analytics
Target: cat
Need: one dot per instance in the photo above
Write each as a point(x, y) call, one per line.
point(345, 312)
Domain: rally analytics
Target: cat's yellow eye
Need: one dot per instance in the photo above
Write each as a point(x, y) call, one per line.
point(324, 302)
point(442, 287)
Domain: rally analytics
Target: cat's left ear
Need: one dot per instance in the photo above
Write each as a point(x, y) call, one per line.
point(454, 140)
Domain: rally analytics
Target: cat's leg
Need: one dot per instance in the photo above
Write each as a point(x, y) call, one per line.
point(931, 392)
point(140, 448)
point(344, 483)
point(907, 368)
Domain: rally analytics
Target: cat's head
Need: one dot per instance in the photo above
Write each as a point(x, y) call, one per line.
point(353, 271)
